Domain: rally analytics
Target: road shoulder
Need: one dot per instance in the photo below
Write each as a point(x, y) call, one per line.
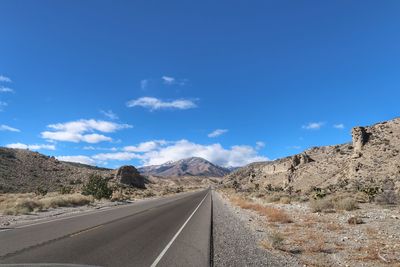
point(237, 241)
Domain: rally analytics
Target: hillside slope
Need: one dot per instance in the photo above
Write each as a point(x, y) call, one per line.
point(373, 157)
point(25, 171)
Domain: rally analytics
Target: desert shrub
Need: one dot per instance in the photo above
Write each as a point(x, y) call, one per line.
point(65, 190)
point(274, 197)
point(272, 214)
point(235, 185)
point(179, 189)
point(74, 182)
point(319, 205)
point(118, 196)
point(21, 206)
point(15, 204)
point(276, 240)
point(355, 220)
point(65, 201)
point(371, 192)
point(97, 187)
point(275, 215)
point(149, 193)
point(387, 197)
point(318, 193)
point(345, 204)
point(285, 200)
point(361, 197)
point(41, 191)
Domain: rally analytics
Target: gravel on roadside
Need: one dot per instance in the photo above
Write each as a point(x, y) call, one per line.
point(235, 243)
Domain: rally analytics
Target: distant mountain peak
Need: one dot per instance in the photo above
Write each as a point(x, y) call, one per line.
point(193, 166)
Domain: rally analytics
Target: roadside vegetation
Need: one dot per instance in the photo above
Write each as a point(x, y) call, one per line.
point(16, 204)
point(95, 191)
point(325, 227)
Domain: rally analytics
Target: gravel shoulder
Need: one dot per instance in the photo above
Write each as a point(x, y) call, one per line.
point(237, 241)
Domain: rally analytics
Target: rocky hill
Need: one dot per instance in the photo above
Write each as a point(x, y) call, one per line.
point(186, 167)
point(24, 171)
point(371, 159)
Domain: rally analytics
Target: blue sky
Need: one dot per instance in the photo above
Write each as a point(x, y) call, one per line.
point(143, 82)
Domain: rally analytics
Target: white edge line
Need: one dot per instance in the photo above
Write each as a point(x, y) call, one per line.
point(176, 235)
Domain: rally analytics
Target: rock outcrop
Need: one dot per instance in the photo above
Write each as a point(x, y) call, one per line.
point(372, 157)
point(129, 175)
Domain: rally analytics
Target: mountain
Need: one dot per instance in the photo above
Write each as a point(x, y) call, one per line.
point(371, 159)
point(24, 171)
point(185, 167)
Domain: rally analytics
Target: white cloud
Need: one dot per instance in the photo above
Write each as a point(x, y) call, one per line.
point(338, 126)
point(81, 126)
point(235, 156)
point(31, 147)
point(144, 83)
point(6, 90)
point(153, 103)
point(260, 145)
point(78, 159)
point(160, 151)
point(313, 125)
point(123, 156)
point(145, 146)
point(109, 114)
point(5, 79)
point(4, 127)
point(217, 133)
point(82, 131)
point(3, 105)
point(99, 148)
point(168, 80)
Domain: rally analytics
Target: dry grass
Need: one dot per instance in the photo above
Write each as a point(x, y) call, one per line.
point(320, 205)
point(273, 214)
point(345, 204)
point(285, 200)
point(273, 197)
point(329, 204)
point(15, 204)
point(334, 227)
point(275, 241)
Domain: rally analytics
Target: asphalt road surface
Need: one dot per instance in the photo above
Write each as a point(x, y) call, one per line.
point(172, 231)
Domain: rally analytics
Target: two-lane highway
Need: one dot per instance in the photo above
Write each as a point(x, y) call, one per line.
point(172, 231)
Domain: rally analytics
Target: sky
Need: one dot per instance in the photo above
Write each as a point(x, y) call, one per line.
point(109, 83)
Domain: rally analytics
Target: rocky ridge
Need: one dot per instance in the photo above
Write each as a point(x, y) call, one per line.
point(373, 158)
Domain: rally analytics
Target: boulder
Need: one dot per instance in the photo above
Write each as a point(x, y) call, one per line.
point(129, 175)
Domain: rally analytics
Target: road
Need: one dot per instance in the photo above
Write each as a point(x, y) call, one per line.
point(172, 231)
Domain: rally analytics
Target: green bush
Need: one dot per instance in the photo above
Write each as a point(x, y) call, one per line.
point(97, 187)
point(65, 190)
point(41, 191)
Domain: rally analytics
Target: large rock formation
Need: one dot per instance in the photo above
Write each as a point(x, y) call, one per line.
point(372, 157)
point(129, 175)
